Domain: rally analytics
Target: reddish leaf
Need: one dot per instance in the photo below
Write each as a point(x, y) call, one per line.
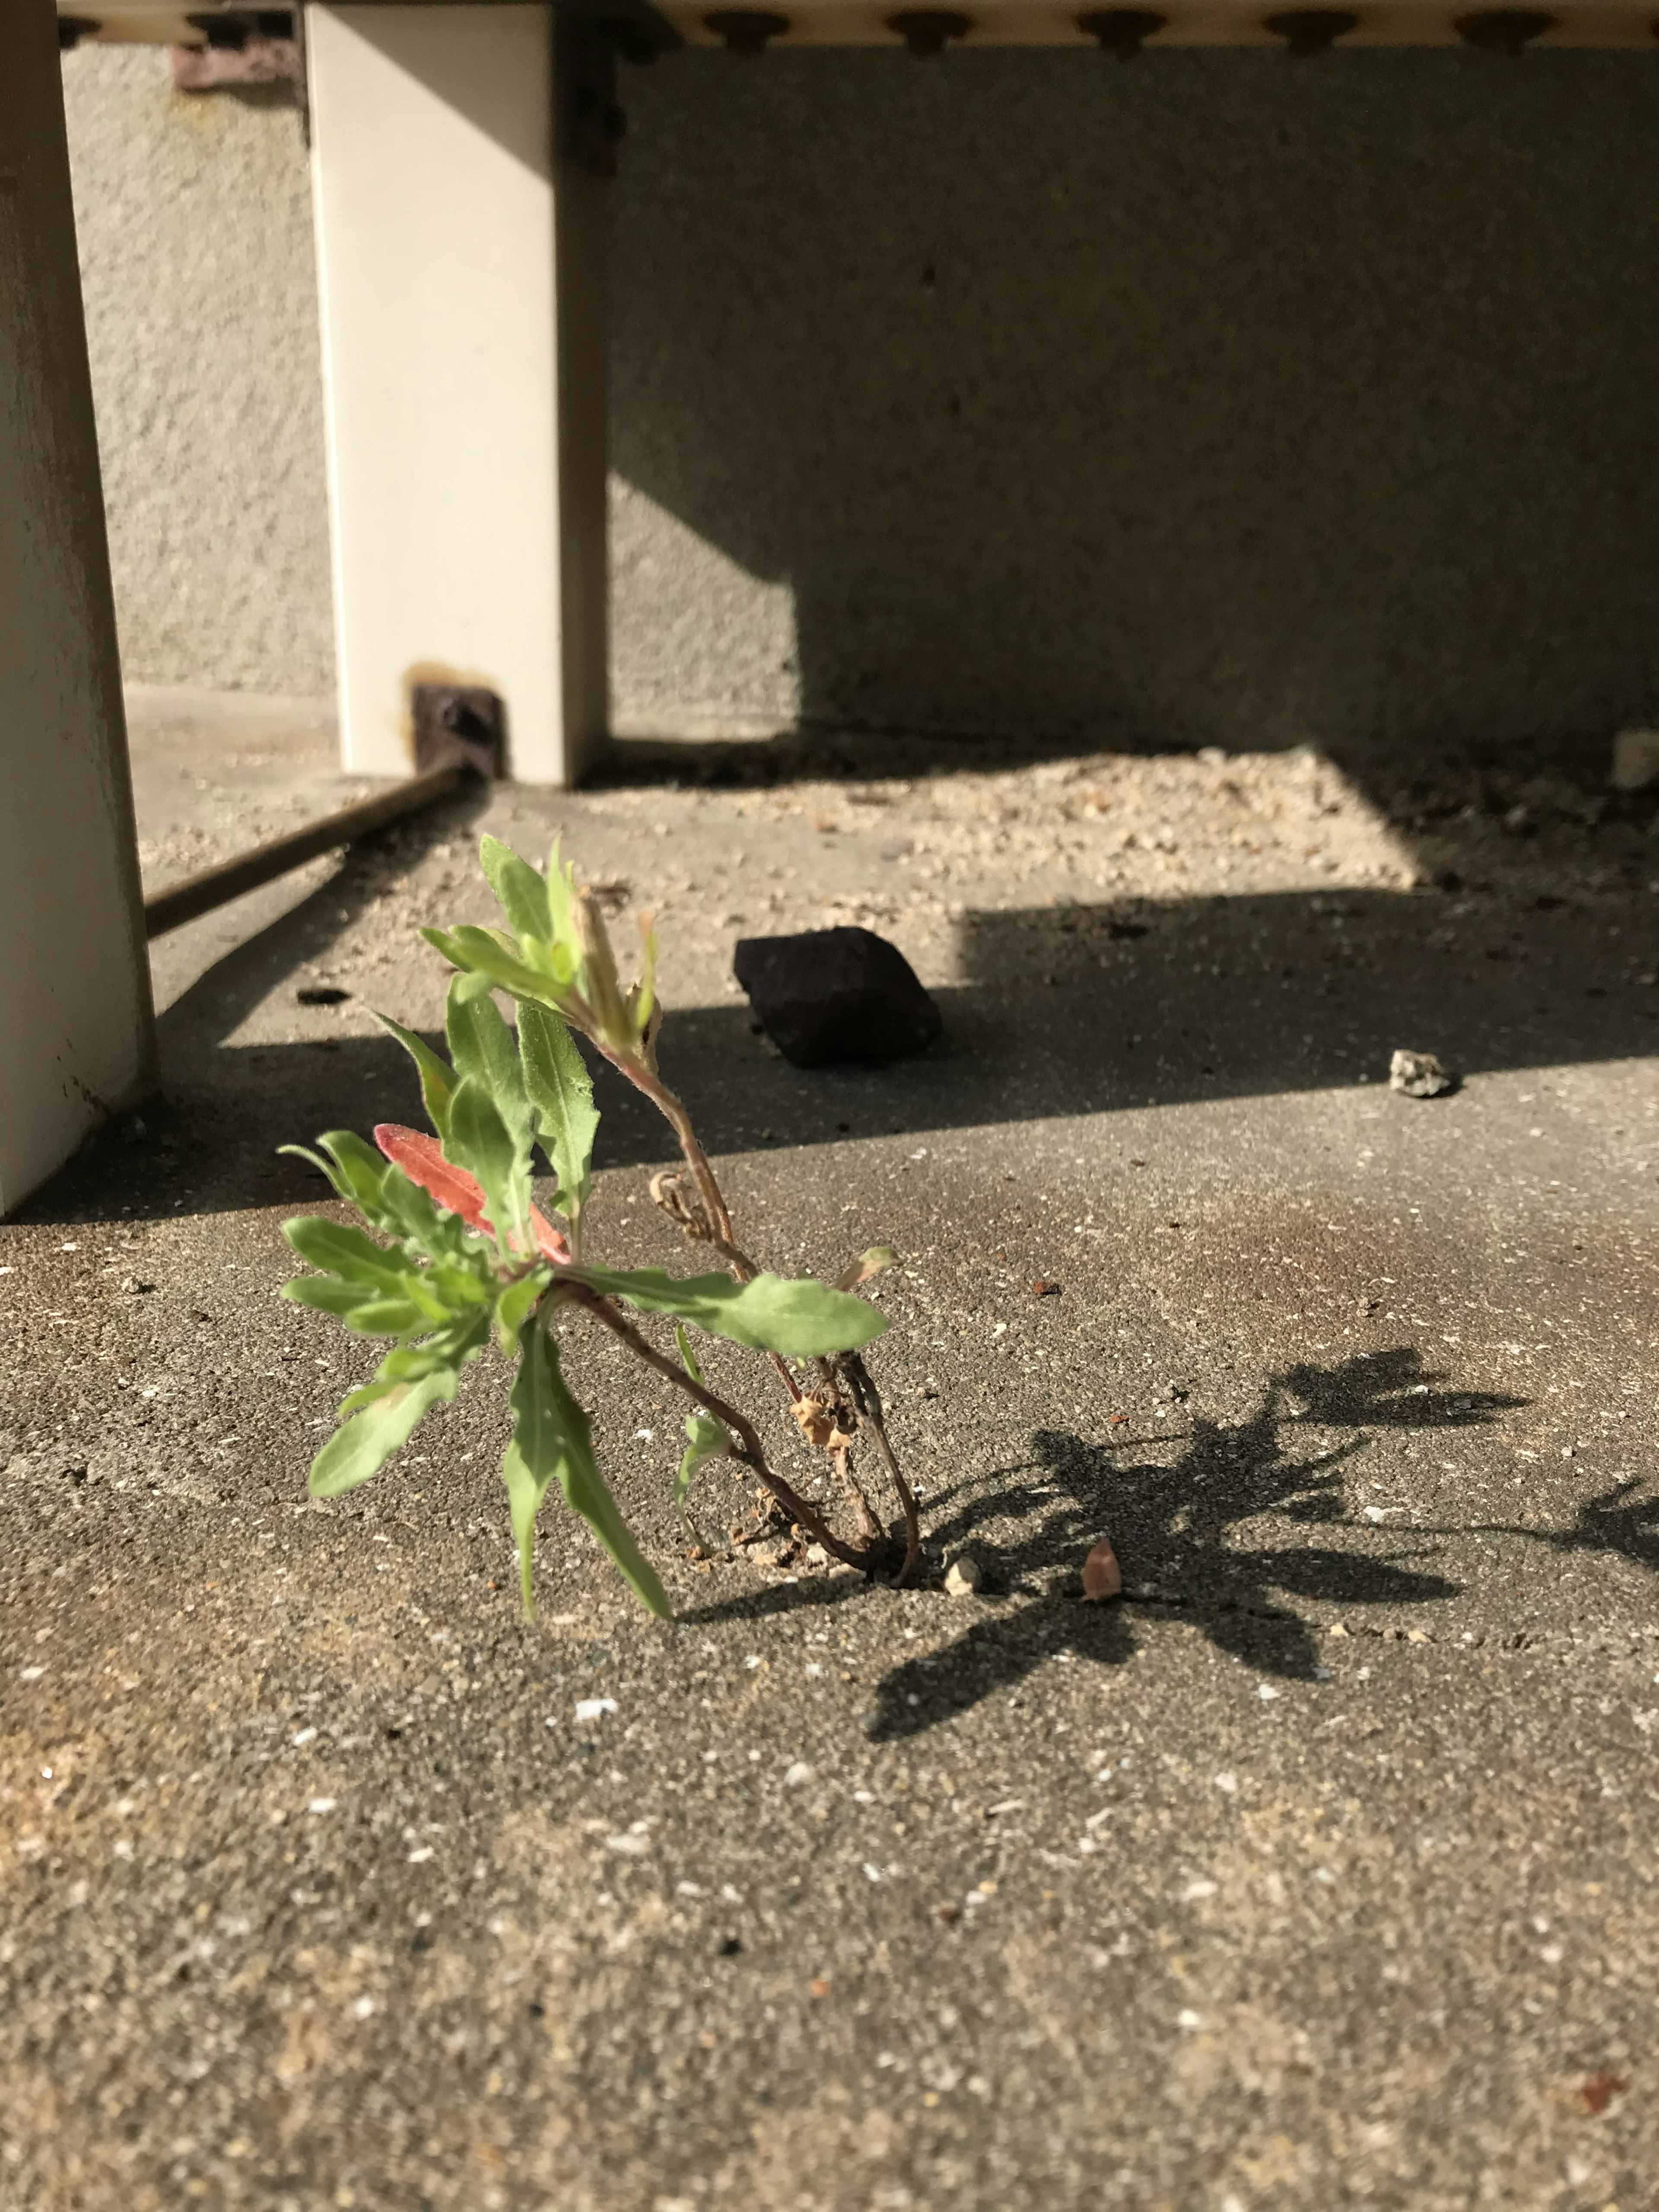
point(422, 1159)
point(1101, 1575)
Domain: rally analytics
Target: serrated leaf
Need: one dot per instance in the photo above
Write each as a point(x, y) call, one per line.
point(521, 892)
point(552, 1441)
point(561, 1094)
point(423, 1161)
point(339, 1248)
point(793, 1315)
point(362, 1445)
point(437, 1078)
point(480, 1141)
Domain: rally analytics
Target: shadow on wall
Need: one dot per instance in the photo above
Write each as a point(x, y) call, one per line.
point(1218, 399)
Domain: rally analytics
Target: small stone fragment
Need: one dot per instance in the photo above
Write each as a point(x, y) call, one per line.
point(964, 1576)
point(1045, 1290)
point(1102, 1578)
point(1635, 760)
point(836, 995)
point(1418, 1075)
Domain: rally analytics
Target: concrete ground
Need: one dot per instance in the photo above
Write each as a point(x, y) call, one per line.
point(1318, 1871)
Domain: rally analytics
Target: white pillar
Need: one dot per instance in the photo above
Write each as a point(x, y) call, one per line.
point(76, 1038)
point(461, 243)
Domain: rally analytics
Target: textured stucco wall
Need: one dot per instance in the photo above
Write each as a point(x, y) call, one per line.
point(1214, 398)
point(1217, 398)
point(194, 224)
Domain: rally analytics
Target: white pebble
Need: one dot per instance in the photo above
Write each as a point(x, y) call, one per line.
point(594, 1708)
point(795, 1775)
point(1265, 1692)
point(1227, 1781)
point(322, 1805)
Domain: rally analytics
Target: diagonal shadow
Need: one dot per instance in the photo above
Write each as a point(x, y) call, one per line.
point(1210, 999)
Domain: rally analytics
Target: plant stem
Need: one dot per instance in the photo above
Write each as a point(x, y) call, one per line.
point(751, 1452)
point(867, 1399)
point(645, 1078)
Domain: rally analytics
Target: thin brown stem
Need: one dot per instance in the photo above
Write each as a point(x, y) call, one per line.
point(867, 1399)
point(720, 1220)
point(749, 1451)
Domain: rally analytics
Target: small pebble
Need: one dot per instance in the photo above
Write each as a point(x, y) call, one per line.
point(1417, 1075)
point(964, 1576)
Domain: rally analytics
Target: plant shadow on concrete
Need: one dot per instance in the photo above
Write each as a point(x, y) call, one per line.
point(1172, 1526)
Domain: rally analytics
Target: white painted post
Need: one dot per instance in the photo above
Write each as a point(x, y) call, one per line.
point(460, 244)
point(77, 1037)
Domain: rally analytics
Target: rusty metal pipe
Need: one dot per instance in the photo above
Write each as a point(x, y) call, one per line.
point(214, 887)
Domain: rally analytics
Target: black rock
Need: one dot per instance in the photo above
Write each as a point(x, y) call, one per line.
point(834, 994)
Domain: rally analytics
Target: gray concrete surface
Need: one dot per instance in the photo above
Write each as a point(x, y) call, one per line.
point(1216, 399)
point(1317, 1872)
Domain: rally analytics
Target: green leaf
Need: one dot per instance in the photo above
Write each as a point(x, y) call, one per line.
point(513, 1306)
point(560, 889)
point(482, 1046)
point(562, 1094)
point(707, 1440)
point(412, 1362)
point(688, 1357)
point(328, 1294)
point(361, 1447)
point(481, 1142)
point(360, 1173)
point(480, 951)
point(485, 1054)
point(391, 1316)
point(552, 1441)
point(437, 1079)
point(521, 891)
point(793, 1315)
point(339, 1250)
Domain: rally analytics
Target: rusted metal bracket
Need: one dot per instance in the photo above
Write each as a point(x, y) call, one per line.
point(460, 724)
point(240, 47)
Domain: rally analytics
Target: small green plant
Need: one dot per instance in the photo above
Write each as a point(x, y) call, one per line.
point(467, 1259)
